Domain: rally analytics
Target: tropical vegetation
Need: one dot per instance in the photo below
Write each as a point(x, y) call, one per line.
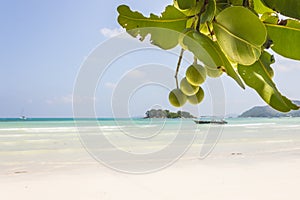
point(233, 37)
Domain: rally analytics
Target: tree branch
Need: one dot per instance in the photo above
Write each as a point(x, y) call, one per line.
point(195, 60)
point(210, 31)
point(178, 66)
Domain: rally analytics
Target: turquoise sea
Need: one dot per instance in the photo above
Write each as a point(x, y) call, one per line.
point(57, 143)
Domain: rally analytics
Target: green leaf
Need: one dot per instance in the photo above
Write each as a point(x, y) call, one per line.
point(290, 8)
point(236, 2)
point(257, 77)
point(270, 18)
point(290, 103)
point(286, 38)
point(209, 13)
point(268, 59)
point(240, 34)
point(208, 52)
point(260, 8)
point(194, 9)
point(185, 4)
point(221, 5)
point(171, 19)
point(206, 28)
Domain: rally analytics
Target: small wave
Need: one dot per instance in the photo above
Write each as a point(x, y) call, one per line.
point(277, 141)
point(249, 125)
point(72, 129)
point(35, 141)
point(48, 129)
point(113, 128)
point(288, 126)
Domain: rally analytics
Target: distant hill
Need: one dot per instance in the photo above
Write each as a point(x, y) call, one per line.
point(167, 114)
point(267, 111)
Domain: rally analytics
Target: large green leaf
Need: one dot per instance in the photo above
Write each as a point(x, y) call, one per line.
point(268, 59)
point(257, 77)
point(208, 52)
point(189, 7)
point(185, 4)
point(290, 8)
point(260, 8)
point(240, 34)
point(171, 19)
point(286, 38)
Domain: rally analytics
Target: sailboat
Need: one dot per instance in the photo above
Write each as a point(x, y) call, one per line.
point(22, 117)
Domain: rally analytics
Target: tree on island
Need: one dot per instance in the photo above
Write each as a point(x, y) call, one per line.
point(153, 113)
point(226, 36)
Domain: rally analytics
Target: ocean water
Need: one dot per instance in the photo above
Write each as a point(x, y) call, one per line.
point(57, 143)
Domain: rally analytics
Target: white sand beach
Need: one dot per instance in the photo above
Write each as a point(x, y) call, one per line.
point(235, 177)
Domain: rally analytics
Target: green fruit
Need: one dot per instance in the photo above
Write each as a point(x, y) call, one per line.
point(210, 54)
point(197, 98)
point(195, 74)
point(213, 72)
point(187, 88)
point(177, 98)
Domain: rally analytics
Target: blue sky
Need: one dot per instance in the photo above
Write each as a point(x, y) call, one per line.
point(44, 43)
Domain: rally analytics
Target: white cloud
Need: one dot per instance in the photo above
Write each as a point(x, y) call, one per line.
point(281, 68)
point(68, 99)
point(283, 64)
point(30, 101)
point(107, 32)
point(136, 74)
point(110, 85)
point(286, 66)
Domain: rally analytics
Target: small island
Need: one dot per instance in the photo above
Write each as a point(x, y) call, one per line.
point(159, 113)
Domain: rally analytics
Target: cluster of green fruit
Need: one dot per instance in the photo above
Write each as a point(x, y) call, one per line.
point(190, 89)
